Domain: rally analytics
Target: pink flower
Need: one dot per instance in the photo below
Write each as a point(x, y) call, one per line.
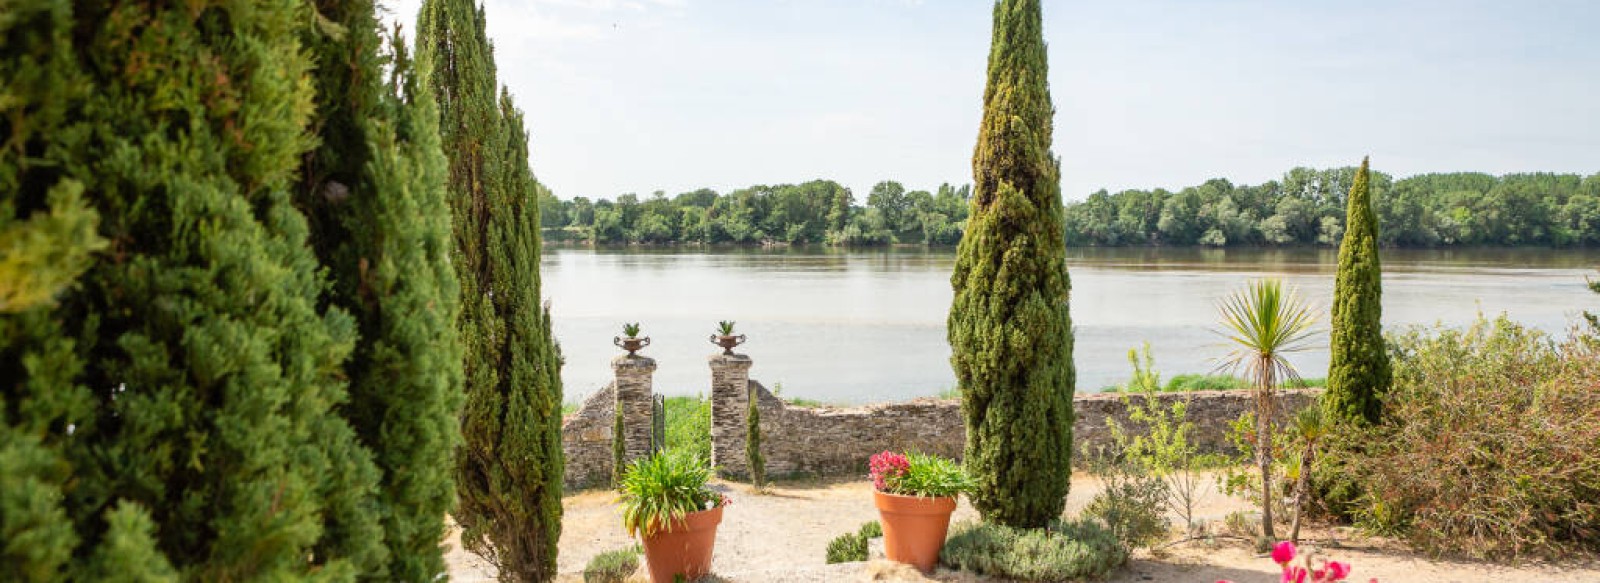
point(887, 466)
point(1282, 553)
point(1337, 571)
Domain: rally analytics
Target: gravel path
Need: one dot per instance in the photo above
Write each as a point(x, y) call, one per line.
point(780, 536)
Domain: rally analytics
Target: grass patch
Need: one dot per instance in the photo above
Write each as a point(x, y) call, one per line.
point(1067, 551)
point(688, 424)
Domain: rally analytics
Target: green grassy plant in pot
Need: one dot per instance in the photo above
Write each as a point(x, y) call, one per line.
point(666, 503)
point(915, 494)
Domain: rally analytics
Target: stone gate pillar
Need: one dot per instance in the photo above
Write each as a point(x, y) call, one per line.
point(634, 403)
point(730, 391)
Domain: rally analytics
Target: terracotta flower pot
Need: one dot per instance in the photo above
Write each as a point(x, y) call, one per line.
point(684, 548)
point(914, 527)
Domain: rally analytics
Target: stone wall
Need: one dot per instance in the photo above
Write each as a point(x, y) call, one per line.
point(836, 441)
point(831, 441)
point(586, 440)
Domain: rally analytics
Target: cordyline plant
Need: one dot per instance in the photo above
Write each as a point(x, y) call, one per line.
point(1266, 321)
point(725, 327)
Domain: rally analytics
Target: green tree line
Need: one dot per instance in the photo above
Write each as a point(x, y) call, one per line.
point(1305, 207)
point(820, 211)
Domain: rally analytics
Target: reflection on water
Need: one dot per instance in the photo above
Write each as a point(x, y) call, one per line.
point(860, 326)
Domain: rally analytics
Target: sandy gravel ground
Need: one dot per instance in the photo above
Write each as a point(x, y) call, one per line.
point(780, 535)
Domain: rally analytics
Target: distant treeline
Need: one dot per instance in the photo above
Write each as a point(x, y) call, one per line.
point(1305, 207)
point(820, 211)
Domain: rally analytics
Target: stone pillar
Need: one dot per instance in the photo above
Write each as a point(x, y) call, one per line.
point(730, 390)
point(634, 403)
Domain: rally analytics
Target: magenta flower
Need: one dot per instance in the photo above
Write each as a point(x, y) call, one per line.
point(1282, 553)
point(1338, 571)
point(887, 466)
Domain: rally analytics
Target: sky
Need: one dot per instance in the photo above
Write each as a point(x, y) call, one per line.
point(643, 95)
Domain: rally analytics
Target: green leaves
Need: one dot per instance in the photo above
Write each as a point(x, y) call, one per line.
point(659, 490)
point(1266, 322)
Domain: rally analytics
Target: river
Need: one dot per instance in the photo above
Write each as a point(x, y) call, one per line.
point(865, 326)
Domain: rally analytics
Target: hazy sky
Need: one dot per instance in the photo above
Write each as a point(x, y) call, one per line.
point(644, 95)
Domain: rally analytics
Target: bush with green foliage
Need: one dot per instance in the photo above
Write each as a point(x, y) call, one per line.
point(612, 566)
point(852, 546)
point(849, 547)
point(1010, 328)
point(1488, 445)
point(1064, 551)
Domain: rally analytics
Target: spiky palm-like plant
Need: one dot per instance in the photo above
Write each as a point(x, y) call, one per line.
point(1267, 322)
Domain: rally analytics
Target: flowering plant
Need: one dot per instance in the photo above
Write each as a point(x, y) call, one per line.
point(917, 474)
point(1328, 572)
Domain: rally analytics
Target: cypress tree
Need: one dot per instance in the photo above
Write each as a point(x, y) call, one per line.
point(509, 469)
point(1009, 328)
point(752, 441)
point(1358, 371)
point(374, 194)
point(175, 406)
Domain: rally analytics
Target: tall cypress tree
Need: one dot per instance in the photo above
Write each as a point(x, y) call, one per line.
point(1010, 331)
point(374, 193)
point(509, 469)
point(1358, 372)
point(178, 400)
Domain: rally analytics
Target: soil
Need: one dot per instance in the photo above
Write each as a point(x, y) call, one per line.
point(779, 535)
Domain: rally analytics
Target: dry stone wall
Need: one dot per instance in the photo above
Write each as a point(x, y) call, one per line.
point(586, 440)
point(836, 441)
point(830, 441)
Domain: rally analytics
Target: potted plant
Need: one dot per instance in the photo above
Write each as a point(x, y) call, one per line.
point(915, 494)
point(725, 338)
point(666, 503)
point(630, 340)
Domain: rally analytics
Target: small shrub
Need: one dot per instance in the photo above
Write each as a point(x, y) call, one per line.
point(611, 566)
point(852, 547)
point(1062, 552)
point(1131, 503)
point(847, 548)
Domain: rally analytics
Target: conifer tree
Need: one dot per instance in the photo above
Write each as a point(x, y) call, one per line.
point(1009, 327)
point(374, 194)
point(1358, 370)
point(175, 406)
point(752, 441)
point(509, 469)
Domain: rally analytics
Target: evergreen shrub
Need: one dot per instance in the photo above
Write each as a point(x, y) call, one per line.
point(1064, 551)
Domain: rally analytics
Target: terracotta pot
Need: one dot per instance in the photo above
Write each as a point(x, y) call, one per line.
point(684, 548)
point(914, 527)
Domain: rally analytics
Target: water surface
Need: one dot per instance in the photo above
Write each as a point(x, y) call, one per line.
point(863, 326)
